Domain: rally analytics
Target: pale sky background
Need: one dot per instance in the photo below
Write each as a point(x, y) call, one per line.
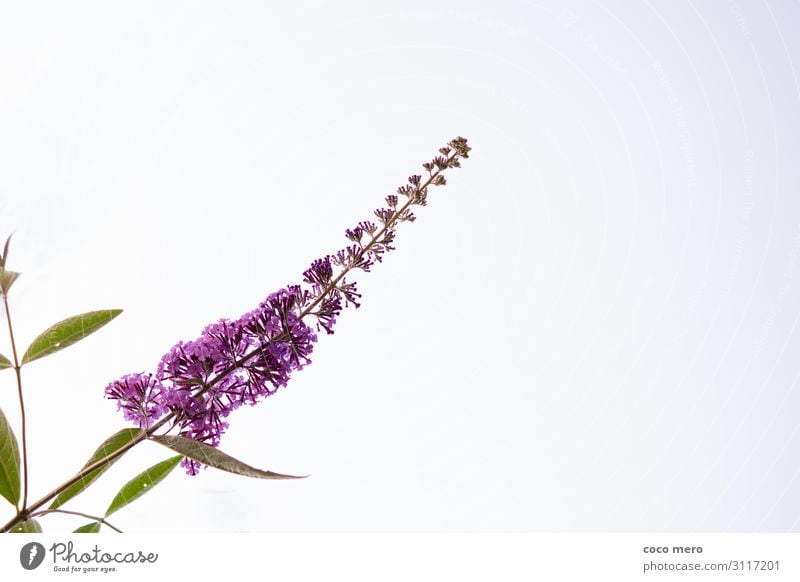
point(593, 327)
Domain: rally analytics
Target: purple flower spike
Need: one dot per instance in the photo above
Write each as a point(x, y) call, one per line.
point(200, 382)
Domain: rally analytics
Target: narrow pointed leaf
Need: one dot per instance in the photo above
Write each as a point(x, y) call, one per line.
point(9, 462)
point(4, 256)
point(5, 362)
point(208, 455)
point(91, 527)
point(27, 526)
point(142, 483)
point(111, 444)
point(7, 279)
point(67, 332)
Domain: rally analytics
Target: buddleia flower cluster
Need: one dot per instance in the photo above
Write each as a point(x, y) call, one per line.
point(237, 362)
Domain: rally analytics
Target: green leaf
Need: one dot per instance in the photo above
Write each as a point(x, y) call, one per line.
point(111, 444)
point(27, 526)
point(91, 527)
point(4, 256)
point(7, 279)
point(67, 332)
point(208, 455)
point(9, 462)
point(142, 483)
point(5, 362)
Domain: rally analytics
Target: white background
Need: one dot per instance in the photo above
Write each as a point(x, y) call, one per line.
point(592, 327)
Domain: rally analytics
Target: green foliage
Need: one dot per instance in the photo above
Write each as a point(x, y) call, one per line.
point(7, 279)
point(27, 526)
point(9, 462)
point(67, 332)
point(208, 455)
point(142, 483)
point(4, 254)
point(111, 444)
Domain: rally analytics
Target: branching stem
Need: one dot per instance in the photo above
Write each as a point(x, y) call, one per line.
point(18, 373)
point(78, 513)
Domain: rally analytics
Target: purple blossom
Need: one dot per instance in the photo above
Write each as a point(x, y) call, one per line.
point(141, 397)
point(234, 363)
point(320, 273)
point(243, 361)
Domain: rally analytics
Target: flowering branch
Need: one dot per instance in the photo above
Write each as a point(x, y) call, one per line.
point(198, 383)
point(379, 242)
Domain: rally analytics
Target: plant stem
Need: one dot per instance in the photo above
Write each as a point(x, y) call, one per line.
point(18, 372)
point(78, 513)
point(88, 469)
